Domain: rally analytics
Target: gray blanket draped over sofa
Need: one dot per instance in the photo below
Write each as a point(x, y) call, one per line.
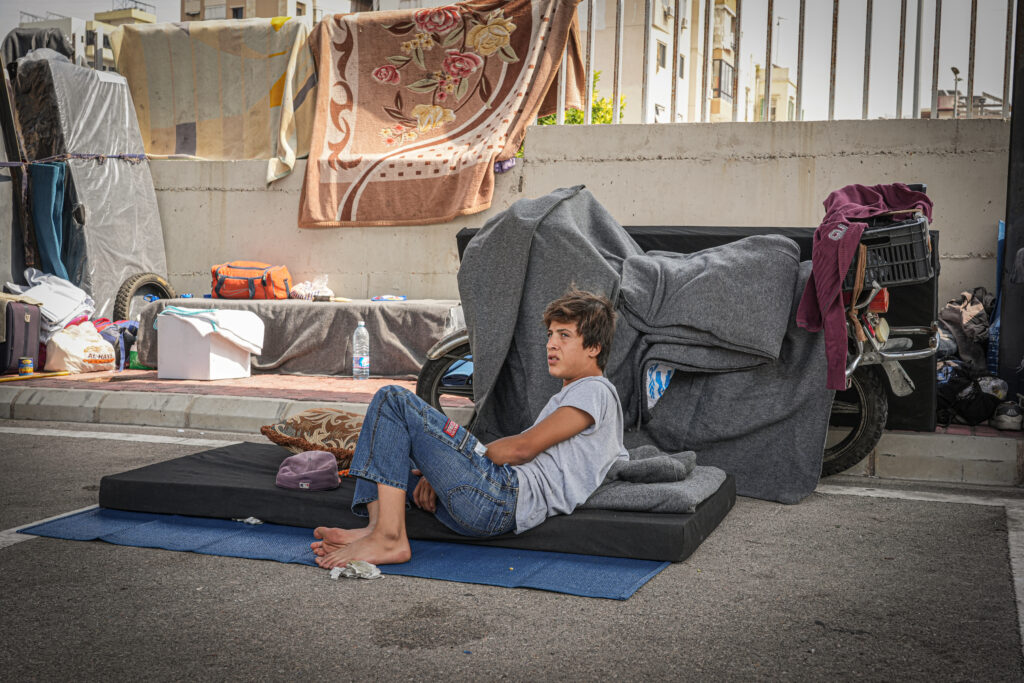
point(748, 394)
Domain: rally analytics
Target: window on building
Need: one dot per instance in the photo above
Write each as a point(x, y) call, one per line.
point(662, 55)
point(300, 9)
point(682, 66)
point(723, 78)
point(237, 12)
point(775, 104)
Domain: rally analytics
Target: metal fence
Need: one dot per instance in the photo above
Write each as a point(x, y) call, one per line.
point(966, 104)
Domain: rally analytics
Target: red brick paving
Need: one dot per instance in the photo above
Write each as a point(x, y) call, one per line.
point(261, 385)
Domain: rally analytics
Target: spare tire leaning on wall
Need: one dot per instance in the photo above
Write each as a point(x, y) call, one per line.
point(131, 297)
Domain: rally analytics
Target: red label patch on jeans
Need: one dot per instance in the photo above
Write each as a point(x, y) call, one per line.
point(451, 427)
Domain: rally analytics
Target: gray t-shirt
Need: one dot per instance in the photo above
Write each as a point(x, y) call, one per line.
point(565, 475)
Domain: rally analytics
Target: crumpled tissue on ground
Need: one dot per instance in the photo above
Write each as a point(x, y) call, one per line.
point(357, 569)
point(248, 520)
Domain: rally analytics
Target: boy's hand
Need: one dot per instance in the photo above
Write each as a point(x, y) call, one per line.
point(423, 495)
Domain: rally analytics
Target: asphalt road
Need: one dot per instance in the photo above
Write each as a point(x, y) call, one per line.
point(837, 587)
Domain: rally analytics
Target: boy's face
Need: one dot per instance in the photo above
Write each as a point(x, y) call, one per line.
point(568, 360)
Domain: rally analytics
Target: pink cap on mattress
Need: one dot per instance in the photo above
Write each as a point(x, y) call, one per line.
point(309, 471)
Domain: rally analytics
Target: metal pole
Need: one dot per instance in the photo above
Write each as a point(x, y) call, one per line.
point(766, 104)
point(956, 96)
point(560, 116)
point(868, 26)
point(676, 25)
point(736, 38)
point(800, 62)
point(935, 59)
point(645, 107)
point(917, 60)
point(588, 104)
point(708, 11)
point(902, 56)
point(970, 59)
point(1006, 62)
point(832, 67)
point(617, 76)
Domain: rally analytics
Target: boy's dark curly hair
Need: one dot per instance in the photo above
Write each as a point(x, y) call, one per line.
point(594, 316)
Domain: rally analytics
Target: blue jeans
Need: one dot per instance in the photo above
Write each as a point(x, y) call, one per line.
point(475, 497)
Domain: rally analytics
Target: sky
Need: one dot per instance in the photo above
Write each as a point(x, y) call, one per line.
point(954, 44)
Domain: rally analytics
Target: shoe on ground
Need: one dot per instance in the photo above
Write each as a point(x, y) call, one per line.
point(1007, 417)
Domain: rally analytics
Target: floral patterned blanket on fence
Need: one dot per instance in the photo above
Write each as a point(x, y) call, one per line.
point(415, 106)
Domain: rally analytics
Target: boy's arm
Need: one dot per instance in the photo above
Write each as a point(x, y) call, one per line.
point(565, 423)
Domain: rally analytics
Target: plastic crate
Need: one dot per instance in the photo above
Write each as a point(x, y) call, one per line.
point(898, 254)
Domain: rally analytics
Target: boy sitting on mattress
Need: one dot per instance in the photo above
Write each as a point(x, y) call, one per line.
point(511, 484)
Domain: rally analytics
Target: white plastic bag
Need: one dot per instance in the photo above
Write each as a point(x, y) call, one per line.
point(79, 348)
point(658, 377)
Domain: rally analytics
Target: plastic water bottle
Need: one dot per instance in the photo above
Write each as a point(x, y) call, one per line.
point(361, 352)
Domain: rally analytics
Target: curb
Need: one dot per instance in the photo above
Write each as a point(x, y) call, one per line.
point(149, 409)
point(917, 456)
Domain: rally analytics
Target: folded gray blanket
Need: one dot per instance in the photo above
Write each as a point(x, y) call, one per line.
point(652, 481)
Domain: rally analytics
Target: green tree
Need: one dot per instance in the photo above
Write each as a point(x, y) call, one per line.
point(601, 110)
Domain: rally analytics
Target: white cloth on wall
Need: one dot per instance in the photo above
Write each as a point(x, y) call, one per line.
point(62, 301)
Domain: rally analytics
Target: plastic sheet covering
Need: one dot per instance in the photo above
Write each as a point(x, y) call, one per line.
point(115, 229)
point(222, 89)
point(12, 255)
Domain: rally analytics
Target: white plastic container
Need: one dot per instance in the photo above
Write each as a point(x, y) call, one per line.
point(197, 344)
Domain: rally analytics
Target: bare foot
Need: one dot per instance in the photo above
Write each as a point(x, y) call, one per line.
point(334, 538)
point(375, 548)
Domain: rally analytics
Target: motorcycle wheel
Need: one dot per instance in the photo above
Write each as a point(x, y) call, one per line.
point(429, 384)
point(131, 296)
point(859, 415)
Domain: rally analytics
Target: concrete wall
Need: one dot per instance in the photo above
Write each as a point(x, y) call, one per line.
point(217, 211)
point(749, 174)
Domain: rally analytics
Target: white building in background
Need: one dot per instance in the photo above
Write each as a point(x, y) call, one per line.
point(201, 10)
point(83, 32)
point(783, 104)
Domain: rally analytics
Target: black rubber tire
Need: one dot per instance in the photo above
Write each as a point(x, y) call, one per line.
point(428, 383)
point(136, 285)
point(864, 408)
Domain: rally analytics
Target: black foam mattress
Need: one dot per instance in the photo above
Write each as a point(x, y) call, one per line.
point(237, 481)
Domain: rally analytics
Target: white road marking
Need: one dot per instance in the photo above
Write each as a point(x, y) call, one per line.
point(928, 496)
point(11, 536)
point(115, 436)
point(1013, 507)
point(1015, 535)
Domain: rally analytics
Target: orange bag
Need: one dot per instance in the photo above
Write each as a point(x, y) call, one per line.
point(250, 280)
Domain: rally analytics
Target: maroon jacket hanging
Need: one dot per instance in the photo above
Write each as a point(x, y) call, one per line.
point(835, 245)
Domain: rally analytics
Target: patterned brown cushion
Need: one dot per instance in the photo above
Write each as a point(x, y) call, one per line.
point(318, 429)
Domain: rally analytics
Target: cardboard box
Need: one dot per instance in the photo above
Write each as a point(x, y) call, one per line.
point(186, 349)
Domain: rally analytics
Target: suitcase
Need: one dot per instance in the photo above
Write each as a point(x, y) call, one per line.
point(22, 337)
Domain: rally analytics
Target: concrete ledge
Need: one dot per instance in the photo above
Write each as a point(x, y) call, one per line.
point(936, 457)
point(142, 408)
point(234, 413)
point(296, 407)
point(949, 458)
point(56, 404)
point(8, 396)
